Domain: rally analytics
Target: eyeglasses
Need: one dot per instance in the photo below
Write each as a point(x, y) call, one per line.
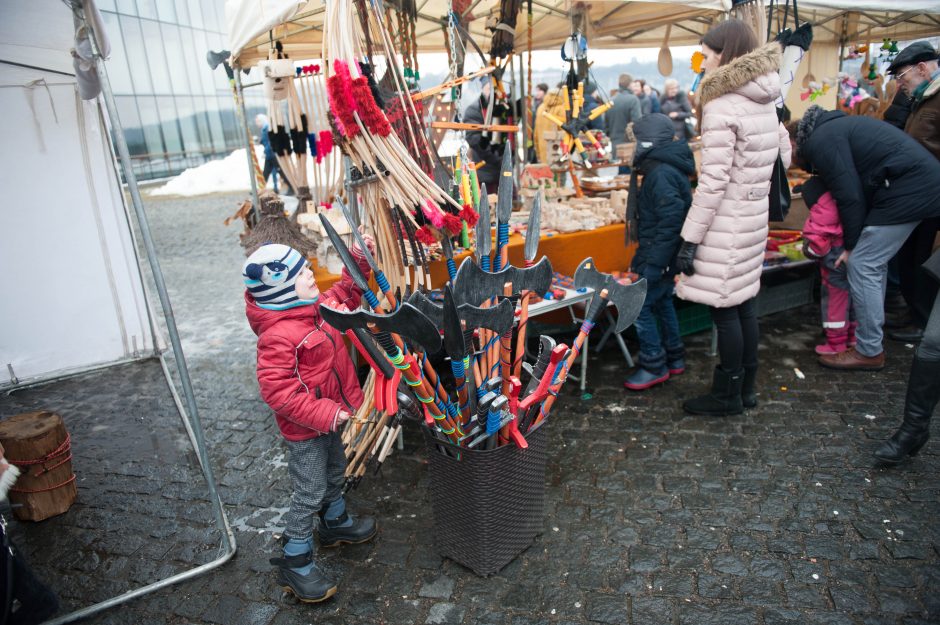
point(901, 75)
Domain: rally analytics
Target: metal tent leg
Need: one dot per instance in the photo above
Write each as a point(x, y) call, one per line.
point(193, 425)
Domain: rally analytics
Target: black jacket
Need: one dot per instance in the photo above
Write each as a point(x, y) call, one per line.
point(663, 201)
point(483, 146)
point(877, 174)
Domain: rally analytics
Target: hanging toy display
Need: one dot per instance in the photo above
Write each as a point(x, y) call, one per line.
point(850, 92)
point(857, 51)
point(816, 89)
point(696, 63)
point(888, 50)
point(577, 122)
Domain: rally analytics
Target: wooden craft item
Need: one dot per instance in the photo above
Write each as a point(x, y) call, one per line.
point(38, 443)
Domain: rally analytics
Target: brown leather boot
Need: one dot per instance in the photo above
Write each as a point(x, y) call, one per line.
point(850, 359)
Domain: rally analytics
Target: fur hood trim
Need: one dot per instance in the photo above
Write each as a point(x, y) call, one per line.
point(736, 74)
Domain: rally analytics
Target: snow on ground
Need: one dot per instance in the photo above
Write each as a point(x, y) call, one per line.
point(227, 174)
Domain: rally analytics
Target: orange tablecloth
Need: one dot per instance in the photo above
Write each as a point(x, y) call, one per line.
point(565, 251)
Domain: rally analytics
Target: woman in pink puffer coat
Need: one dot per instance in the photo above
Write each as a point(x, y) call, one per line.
point(725, 232)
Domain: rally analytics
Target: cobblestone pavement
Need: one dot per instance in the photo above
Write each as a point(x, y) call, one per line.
point(776, 516)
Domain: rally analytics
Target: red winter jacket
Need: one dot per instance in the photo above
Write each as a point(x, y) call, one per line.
point(823, 229)
point(304, 370)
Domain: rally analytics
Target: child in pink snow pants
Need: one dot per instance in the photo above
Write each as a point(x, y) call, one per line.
point(822, 241)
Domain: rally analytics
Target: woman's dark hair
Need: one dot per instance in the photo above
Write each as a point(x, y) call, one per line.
point(731, 39)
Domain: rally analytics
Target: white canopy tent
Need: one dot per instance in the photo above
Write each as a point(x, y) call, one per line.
point(77, 299)
point(64, 227)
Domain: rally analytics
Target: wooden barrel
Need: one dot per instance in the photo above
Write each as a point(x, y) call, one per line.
point(38, 443)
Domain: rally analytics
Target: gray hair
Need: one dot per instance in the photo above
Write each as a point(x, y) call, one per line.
point(670, 82)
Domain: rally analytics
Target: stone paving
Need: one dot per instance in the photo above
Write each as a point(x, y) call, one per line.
point(652, 516)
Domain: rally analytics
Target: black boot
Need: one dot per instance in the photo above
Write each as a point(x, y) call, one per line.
point(313, 587)
point(723, 400)
point(923, 391)
point(334, 532)
point(748, 396)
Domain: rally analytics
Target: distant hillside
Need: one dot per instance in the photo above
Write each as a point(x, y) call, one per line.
point(606, 77)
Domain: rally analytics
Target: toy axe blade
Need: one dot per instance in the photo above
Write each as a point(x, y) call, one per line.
point(627, 298)
point(496, 318)
point(454, 343)
point(531, 247)
point(406, 321)
point(474, 286)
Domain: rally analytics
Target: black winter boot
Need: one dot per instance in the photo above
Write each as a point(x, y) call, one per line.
point(723, 400)
point(344, 530)
point(312, 587)
point(748, 396)
point(923, 392)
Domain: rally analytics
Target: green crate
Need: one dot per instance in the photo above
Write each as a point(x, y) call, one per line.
point(692, 317)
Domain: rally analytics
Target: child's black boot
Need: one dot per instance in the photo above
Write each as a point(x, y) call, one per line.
point(299, 574)
point(723, 400)
point(337, 527)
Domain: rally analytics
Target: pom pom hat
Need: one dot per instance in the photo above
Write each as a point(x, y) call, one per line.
point(270, 275)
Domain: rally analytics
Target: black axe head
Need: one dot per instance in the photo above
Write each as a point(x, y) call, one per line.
point(215, 58)
point(496, 318)
point(407, 321)
point(627, 298)
point(474, 286)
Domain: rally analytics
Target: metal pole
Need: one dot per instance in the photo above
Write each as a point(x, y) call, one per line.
point(255, 205)
point(196, 426)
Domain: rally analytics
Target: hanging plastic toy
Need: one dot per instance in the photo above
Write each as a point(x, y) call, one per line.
point(697, 59)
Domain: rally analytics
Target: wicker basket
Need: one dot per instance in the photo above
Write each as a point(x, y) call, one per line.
point(488, 505)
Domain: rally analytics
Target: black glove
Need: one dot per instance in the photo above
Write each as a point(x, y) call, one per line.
point(685, 257)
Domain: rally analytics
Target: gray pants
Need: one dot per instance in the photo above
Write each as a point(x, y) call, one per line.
point(317, 474)
point(929, 348)
point(868, 270)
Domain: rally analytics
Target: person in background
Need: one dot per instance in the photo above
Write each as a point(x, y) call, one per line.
point(485, 146)
point(554, 105)
point(591, 101)
point(307, 378)
point(884, 184)
point(646, 104)
point(653, 95)
point(725, 232)
point(271, 168)
point(916, 70)
point(675, 105)
point(625, 109)
point(822, 241)
point(655, 213)
point(538, 96)
point(923, 386)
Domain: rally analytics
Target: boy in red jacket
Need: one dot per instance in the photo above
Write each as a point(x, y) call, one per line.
point(307, 378)
point(822, 241)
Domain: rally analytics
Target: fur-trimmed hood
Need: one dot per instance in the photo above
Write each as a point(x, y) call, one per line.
point(753, 75)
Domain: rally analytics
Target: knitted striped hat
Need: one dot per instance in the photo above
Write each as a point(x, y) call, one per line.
point(270, 274)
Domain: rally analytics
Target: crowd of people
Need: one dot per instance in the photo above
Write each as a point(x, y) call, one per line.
point(872, 199)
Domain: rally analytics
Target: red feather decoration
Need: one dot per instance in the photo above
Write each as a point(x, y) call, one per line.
point(469, 215)
point(452, 223)
point(424, 235)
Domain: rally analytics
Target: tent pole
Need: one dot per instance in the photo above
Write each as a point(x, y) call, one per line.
point(215, 501)
point(240, 92)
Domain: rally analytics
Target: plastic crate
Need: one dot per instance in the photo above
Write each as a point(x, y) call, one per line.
point(692, 317)
point(785, 292)
point(488, 504)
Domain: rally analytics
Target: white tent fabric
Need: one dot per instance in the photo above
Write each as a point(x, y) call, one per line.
point(246, 19)
point(74, 298)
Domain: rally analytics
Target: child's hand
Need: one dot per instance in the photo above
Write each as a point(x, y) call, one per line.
point(342, 418)
point(843, 258)
point(368, 240)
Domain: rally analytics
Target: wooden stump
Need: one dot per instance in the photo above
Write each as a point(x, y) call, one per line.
point(38, 443)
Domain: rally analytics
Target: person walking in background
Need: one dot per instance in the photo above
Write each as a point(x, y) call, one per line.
point(625, 109)
point(923, 386)
point(485, 146)
point(884, 183)
point(655, 213)
point(271, 168)
point(725, 232)
point(675, 105)
point(918, 75)
point(652, 95)
point(822, 241)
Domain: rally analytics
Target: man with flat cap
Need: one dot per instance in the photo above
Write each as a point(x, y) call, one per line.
point(916, 70)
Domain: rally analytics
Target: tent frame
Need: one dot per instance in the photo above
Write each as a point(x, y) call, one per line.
point(189, 413)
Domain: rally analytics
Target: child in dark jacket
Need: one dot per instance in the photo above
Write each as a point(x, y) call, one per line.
point(656, 211)
point(822, 241)
point(308, 379)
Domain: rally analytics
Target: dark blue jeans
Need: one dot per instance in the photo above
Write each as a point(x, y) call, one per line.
point(658, 307)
